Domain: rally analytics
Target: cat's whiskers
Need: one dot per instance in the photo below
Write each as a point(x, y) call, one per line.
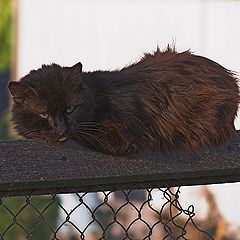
point(87, 135)
point(91, 142)
point(81, 141)
point(92, 136)
point(31, 132)
point(91, 129)
point(90, 124)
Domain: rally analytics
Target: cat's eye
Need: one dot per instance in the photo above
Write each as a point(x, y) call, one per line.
point(70, 109)
point(44, 115)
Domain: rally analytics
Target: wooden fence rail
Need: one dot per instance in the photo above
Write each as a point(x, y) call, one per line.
point(27, 167)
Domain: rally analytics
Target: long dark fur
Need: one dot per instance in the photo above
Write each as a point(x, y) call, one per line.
point(166, 100)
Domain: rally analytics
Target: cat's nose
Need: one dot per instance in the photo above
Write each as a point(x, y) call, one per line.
point(61, 130)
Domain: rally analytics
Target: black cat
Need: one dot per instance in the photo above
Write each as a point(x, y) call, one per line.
point(165, 100)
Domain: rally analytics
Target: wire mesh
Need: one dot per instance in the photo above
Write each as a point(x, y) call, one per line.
point(108, 215)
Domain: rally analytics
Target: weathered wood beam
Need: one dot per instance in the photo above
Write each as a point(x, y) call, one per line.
point(28, 167)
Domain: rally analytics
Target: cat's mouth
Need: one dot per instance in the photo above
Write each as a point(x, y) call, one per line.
point(63, 138)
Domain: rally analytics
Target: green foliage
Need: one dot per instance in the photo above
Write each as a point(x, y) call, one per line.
point(4, 124)
point(21, 216)
point(5, 34)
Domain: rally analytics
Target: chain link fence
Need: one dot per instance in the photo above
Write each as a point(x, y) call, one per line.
point(108, 215)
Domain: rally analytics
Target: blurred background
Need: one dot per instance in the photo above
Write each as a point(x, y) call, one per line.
point(105, 35)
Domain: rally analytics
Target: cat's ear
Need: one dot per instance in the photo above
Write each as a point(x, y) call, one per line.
point(21, 92)
point(75, 70)
point(77, 67)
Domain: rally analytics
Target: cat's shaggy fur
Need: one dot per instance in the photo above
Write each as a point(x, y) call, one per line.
point(166, 100)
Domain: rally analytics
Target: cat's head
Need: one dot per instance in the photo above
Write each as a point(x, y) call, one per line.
point(49, 102)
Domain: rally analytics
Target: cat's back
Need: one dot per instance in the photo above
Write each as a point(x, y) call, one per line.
point(180, 64)
point(172, 72)
point(186, 96)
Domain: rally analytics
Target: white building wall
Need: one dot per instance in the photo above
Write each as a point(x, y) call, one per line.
point(108, 34)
